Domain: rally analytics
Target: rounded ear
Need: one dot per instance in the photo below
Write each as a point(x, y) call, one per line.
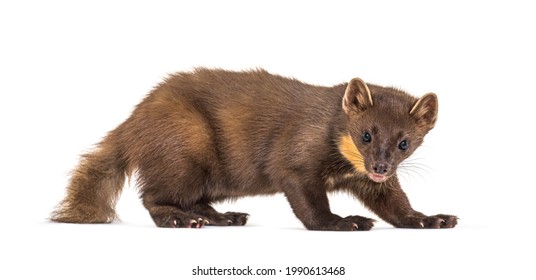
point(425, 110)
point(357, 96)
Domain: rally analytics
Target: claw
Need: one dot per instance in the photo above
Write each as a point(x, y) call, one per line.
point(193, 223)
point(356, 227)
point(200, 222)
point(175, 222)
point(422, 224)
point(206, 222)
point(229, 222)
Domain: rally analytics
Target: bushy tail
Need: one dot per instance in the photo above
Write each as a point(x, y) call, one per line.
point(94, 187)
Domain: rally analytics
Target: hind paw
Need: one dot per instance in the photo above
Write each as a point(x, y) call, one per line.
point(181, 222)
point(350, 223)
point(229, 219)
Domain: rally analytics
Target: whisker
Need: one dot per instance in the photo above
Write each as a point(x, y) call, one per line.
point(413, 167)
point(403, 174)
point(418, 168)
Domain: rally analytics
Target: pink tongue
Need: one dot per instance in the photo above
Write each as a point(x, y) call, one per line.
point(376, 177)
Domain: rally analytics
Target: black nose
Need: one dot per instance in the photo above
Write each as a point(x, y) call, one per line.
point(380, 167)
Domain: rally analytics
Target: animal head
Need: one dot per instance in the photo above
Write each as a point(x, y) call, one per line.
point(385, 126)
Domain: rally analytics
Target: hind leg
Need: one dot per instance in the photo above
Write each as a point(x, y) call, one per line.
point(178, 197)
point(183, 206)
point(169, 197)
point(177, 178)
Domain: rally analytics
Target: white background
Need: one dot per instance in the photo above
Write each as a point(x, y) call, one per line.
point(70, 71)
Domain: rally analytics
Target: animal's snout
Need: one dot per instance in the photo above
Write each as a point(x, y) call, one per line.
point(381, 167)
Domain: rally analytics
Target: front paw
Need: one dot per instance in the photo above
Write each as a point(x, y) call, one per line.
point(436, 221)
point(360, 223)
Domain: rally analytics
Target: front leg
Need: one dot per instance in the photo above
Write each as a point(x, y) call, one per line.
point(310, 204)
point(391, 204)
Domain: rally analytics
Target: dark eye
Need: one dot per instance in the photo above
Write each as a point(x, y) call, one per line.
point(404, 145)
point(366, 137)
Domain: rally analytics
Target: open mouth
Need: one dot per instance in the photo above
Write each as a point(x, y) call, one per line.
point(378, 178)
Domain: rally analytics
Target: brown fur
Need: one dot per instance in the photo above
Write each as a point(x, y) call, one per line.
point(211, 135)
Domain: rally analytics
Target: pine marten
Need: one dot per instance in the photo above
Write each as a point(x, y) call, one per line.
point(211, 135)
